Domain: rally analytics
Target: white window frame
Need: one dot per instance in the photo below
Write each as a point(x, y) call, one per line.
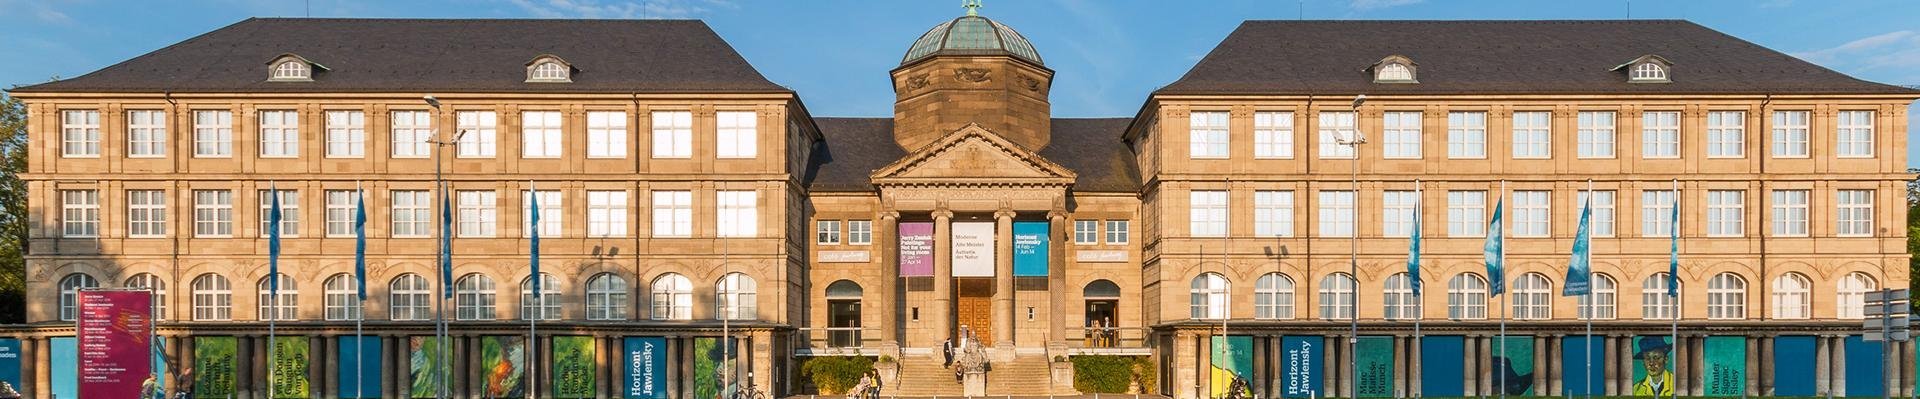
point(1207, 297)
point(1467, 297)
point(1792, 297)
point(1648, 71)
point(672, 297)
point(279, 133)
point(1790, 130)
point(1605, 219)
point(673, 213)
point(286, 307)
point(1335, 124)
point(475, 298)
point(1532, 297)
point(1396, 213)
point(737, 213)
point(1532, 213)
point(1337, 213)
point(213, 213)
point(289, 212)
point(1272, 135)
point(1207, 213)
point(1726, 134)
point(547, 306)
point(408, 298)
point(158, 287)
point(1400, 135)
point(607, 295)
point(212, 298)
point(826, 232)
point(1532, 135)
point(1273, 297)
point(479, 213)
point(1853, 216)
point(146, 213)
point(80, 133)
point(212, 134)
point(551, 214)
point(607, 213)
point(1605, 299)
point(70, 287)
point(541, 134)
point(1086, 232)
point(342, 296)
point(146, 133)
point(736, 134)
point(1467, 213)
point(1337, 296)
point(1790, 213)
point(1656, 213)
point(1654, 302)
point(411, 130)
point(1596, 136)
point(1660, 134)
point(479, 132)
point(1853, 134)
point(340, 211)
point(1727, 297)
point(1467, 135)
point(1398, 301)
point(1273, 213)
point(1726, 213)
point(1209, 135)
point(859, 232)
point(80, 213)
point(672, 134)
point(1852, 290)
point(346, 134)
point(1117, 233)
point(412, 213)
point(736, 297)
point(606, 134)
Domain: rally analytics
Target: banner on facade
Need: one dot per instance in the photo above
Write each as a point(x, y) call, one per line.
point(359, 367)
point(425, 364)
point(916, 249)
point(1793, 365)
point(1374, 357)
point(709, 358)
point(503, 365)
point(213, 367)
point(1031, 248)
point(1443, 366)
point(1726, 362)
point(116, 329)
point(1231, 359)
point(290, 360)
point(972, 246)
point(10, 363)
point(1863, 368)
point(646, 360)
point(1513, 366)
point(1583, 364)
point(1652, 365)
point(65, 362)
point(1300, 366)
point(573, 367)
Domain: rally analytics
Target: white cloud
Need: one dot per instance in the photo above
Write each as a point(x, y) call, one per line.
point(1893, 54)
point(1366, 5)
point(40, 10)
point(674, 9)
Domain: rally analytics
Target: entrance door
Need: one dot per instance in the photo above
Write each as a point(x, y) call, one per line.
point(843, 323)
point(1100, 321)
point(973, 308)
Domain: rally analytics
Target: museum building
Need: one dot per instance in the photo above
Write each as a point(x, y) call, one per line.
point(1233, 228)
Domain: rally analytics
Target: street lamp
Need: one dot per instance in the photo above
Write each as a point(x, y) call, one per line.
point(1353, 139)
point(440, 187)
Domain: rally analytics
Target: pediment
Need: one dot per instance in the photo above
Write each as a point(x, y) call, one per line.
point(973, 155)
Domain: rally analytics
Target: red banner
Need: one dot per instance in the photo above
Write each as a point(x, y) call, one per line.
point(115, 331)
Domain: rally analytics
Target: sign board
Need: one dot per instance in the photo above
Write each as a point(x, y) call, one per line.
point(1897, 321)
point(1895, 336)
point(115, 332)
point(646, 368)
point(1030, 248)
point(916, 249)
point(972, 245)
point(843, 256)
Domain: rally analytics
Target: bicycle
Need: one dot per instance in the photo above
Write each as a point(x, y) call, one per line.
point(748, 391)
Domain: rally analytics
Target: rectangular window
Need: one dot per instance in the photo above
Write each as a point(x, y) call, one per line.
point(1207, 213)
point(606, 213)
point(540, 134)
point(738, 214)
point(736, 134)
point(1790, 134)
point(479, 213)
point(672, 213)
point(1209, 135)
point(1401, 135)
point(1596, 134)
point(1855, 216)
point(860, 232)
point(1532, 213)
point(80, 133)
point(212, 213)
point(1726, 134)
point(1790, 213)
point(411, 132)
point(1467, 135)
point(346, 134)
point(606, 134)
point(289, 212)
point(1466, 213)
point(212, 134)
point(1532, 135)
point(1116, 232)
point(1273, 213)
point(1336, 213)
point(340, 211)
point(826, 232)
point(1273, 135)
point(1660, 134)
point(1855, 131)
point(412, 213)
point(79, 213)
point(550, 216)
point(1396, 213)
point(673, 134)
point(1602, 221)
point(146, 213)
point(1656, 213)
point(1726, 213)
point(279, 134)
point(479, 131)
point(1086, 232)
point(1334, 126)
point(146, 133)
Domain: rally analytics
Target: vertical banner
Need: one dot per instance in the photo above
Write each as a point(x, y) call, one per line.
point(290, 360)
point(424, 366)
point(646, 376)
point(1652, 365)
point(359, 379)
point(573, 367)
point(1726, 362)
point(1793, 365)
point(213, 367)
point(972, 246)
point(115, 328)
point(65, 373)
point(1374, 357)
point(1863, 367)
point(1300, 360)
point(1030, 248)
point(1231, 358)
point(916, 249)
point(708, 359)
point(1513, 368)
point(1443, 370)
point(503, 366)
point(1578, 379)
point(10, 363)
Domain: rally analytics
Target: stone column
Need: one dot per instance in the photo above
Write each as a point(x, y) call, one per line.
point(1837, 356)
point(887, 236)
point(1906, 368)
point(942, 309)
point(1470, 383)
point(1766, 366)
point(32, 355)
point(1753, 365)
point(1330, 373)
point(1697, 365)
point(1822, 366)
point(1610, 377)
point(1400, 356)
point(1057, 276)
point(1003, 279)
point(1345, 351)
point(1546, 375)
point(327, 375)
point(1485, 368)
point(390, 374)
point(243, 374)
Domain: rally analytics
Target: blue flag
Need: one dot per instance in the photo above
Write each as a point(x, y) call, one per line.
point(1673, 252)
point(1496, 255)
point(1579, 272)
point(360, 242)
point(273, 243)
point(1413, 246)
point(446, 244)
point(533, 246)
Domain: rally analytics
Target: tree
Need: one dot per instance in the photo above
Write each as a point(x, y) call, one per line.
point(1913, 232)
point(13, 209)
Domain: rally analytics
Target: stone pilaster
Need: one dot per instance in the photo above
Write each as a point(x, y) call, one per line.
point(942, 309)
point(1003, 279)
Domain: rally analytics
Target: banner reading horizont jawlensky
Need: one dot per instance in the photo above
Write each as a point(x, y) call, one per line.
point(1300, 366)
point(114, 328)
point(646, 361)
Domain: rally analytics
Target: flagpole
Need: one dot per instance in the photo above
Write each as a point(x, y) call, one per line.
point(360, 269)
point(1585, 212)
point(1673, 278)
point(726, 331)
point(1501, 224)
point(1413, 275)
point(273, 285)
point(539, 300)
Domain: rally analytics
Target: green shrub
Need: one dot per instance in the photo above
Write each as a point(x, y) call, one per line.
point(1145, 373)
point(834, 375)
point(1105, 373)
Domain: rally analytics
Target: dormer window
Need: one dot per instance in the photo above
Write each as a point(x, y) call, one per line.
point(549, 69)
point(291, 68)
point(1392, 72)
point(1394, 69)
point(1647, 69)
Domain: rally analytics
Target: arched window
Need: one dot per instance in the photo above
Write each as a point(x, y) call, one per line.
point(1336, 296)
point(1532, 297)
point(548, 71)
point(212, 298)
point(672, 297)
point(1727, 297)
point(606, 297)
point(1654, 302)
point(342, 296)
point(735, 297)
point(1649, 71)
point(1792, 296)
point(1853, 294)
point(1207, 296)
point(1400, 303)
point(1394, 72)
point(1273, 297)
point(292, 69)
point(1606, 294)
point(847, 289)
point(407, 298)
point(289, 305)
point(843, 314)
point(1099, 289)
point(547, 306)
point(1467, 297)
point(153, 284)
point(70, 287)
point(473, 297)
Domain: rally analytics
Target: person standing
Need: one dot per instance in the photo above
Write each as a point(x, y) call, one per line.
point(946, 349)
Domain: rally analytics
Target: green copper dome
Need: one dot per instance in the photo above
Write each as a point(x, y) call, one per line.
point(971, 35)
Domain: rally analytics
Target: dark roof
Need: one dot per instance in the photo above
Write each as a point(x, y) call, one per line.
point(437, 55)
point(1508, 57)
point(854, 147)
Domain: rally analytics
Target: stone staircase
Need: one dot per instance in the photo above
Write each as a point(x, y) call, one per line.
point(922, 377)
point(1026, 375)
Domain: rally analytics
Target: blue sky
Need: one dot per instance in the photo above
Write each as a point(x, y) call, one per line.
point(1107, 54)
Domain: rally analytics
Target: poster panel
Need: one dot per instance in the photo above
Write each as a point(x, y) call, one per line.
point(1230, 360)
point(1652, 365)
point(1513, 366)
point(1726, 362)
point(709, 358)
point(1443, 366)
point(503, 365)
point(573, 367)
point(646, 371)
point(1576, 354)
point(65, 371)
point(359, 367)
point(10, 363)
point(213, 367)
point(916, 249)
point(115, 328)
point(425, 366)
point(1030, 248)
point(1793, 365)
point(290, 360)
point(1300, 366)
point(1863, 368)
point(973, 249)
point(1374, 357)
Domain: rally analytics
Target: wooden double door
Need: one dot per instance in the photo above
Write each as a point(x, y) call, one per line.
point(973, 308)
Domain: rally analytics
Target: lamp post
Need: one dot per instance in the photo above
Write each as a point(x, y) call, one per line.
point(1353, 140)
point(439, 187)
